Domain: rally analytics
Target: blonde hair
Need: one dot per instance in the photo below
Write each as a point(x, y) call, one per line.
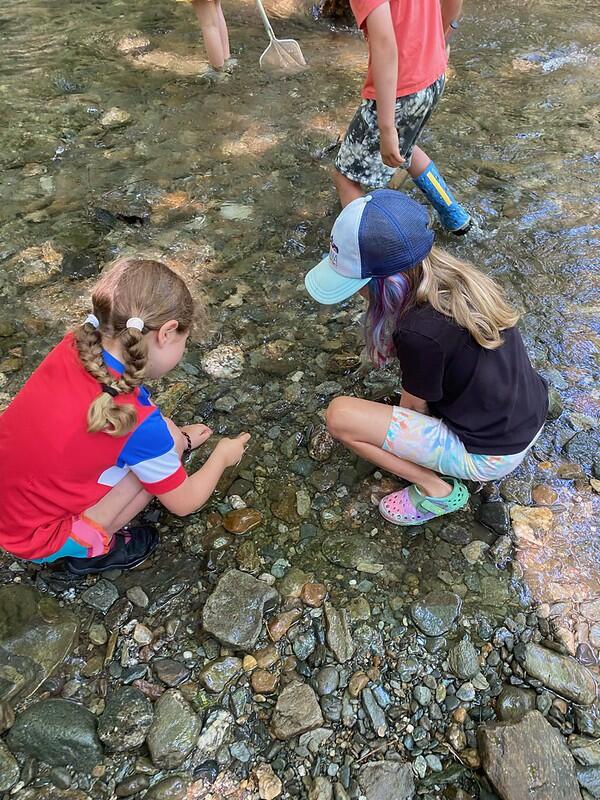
point(474, 301)
point(129, 287)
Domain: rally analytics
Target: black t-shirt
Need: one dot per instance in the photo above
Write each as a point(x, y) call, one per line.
point(493, 400)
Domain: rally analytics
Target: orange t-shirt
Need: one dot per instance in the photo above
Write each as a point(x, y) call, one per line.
point(420, 39)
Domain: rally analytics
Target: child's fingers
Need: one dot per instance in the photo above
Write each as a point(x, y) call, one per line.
point(243, 437)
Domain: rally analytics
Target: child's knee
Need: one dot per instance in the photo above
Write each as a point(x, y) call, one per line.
point(338, 418)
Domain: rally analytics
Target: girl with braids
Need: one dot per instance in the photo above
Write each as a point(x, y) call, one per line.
point(472, 405)
point(83, 448)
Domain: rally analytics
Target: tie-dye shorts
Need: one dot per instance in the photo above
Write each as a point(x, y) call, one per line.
point(359, 158)
point(429, 442)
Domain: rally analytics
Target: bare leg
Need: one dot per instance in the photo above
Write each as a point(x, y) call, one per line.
point(419, 162)
point(347, 190)
point(362, 425)
point(207, 13)
point(223, 31)
point(120, 505)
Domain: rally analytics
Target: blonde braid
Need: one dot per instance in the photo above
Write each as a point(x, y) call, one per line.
point(135, 352)
point(103, 414)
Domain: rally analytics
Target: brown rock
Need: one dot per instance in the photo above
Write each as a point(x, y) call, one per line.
point(296, 712)
point(313, 594)
point(278, 626)
point(527, 760)
point(242, 520)
point(357, 683)
point(544, 495)
point(269, 785)
point(267, 656)
point(471, 757)
point(264, 682)
point(7, 716)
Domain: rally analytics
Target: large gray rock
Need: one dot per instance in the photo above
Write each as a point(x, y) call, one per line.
point(436, 613)
point(234, 611)
point(339, 637)
point(527, 760)
point(126, 719)
point(36, 635)
point(384, 780)
point(59, 732)
point(560, 673)
point(174, 732)
point(9, 769)
point(296, 712)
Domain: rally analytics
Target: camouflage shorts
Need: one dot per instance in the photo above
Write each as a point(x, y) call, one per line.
point(359, 158)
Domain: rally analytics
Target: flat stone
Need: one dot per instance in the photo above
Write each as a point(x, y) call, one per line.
point(59, 732)
point(170, 672)
point(464, 660)
point(587, 720)
point(513, 703)
point(527, 760)
point(137, 596)
point(242, 520)
point(225, 361)
point(264, 682)
point(132, 786)
point(269, 785)
point(435, 613)
point(321, 445)
point(174, 731)
point(101, 595)
point(293, 582)
point(216, 675)
point(348, 551)
point(217, 729)
point(562, 674)
point(234, 611)
point(126, 719)
point(115, 118)
point(9, 769)
point(7, 716)
point(374, 712)
point(173, 788)
point(585, 750)
point(339, 637)
point(279, 625)
point(475, 551)
point(388, 779)
point(313, 594)
point(321, 789)
point(98, 634)
point(36, 635)
point(297, 711)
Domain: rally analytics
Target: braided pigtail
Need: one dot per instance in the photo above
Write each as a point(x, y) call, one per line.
point(135, 355)
point(103, 414)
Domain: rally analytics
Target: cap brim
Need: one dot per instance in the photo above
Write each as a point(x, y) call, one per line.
point(329, 287)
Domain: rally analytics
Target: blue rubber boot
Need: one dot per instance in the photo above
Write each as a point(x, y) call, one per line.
point(452, 215)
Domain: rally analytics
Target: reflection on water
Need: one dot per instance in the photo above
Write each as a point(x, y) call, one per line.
point(112, 141)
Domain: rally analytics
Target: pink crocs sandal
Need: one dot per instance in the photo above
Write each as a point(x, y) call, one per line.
point(410, 507)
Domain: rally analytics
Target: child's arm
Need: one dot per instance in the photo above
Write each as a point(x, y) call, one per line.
point(197, 488)
point(384, 63)
point(451, 10)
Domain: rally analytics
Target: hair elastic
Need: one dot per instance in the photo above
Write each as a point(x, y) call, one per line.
point(135, 322)
point(109, 390)
point(93, 320)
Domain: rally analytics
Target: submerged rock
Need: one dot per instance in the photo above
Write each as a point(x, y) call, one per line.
point(242, 520)
point(297, 711)
point(36, 635)
point(560, 673)
point(513, 703)
point(234, 611)
point(126, 719)
point(436, 613)
point(59, 732)
point(174, 732)
point(225, 361)
point(388, 779)
point(527, 760)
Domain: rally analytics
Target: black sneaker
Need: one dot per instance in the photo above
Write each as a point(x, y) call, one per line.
point(132, 547)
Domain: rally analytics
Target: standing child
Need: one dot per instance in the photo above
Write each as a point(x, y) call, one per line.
point(472, 405)
point(83, 448)
point(215, 35)
point(405, 80)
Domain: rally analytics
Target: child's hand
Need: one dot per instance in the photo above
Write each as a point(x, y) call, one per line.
point(232, 450)
point(197, 433)
point(390, 148)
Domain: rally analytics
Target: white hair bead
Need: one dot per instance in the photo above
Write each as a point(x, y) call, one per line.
point(93, 320)
point(135, 322)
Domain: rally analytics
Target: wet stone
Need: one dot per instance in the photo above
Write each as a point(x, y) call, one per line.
point(321, 445)
point(132, 786)
point(527, 759)
point(59, 732)
point(60, 777)
point(216, 675)
point(313, 594)
point(331, 707)
point(174, 730)
point(327, 680)
point(513, 703)
point(216, 731)
point(585, 750)
point(174, 788)
point(242, 520)
point(495, 516)
point(589, 779)
point(304, 644)
point(560, 673)
point(339, 638)
point(7, 716)
point(321, 789)
point(296, 711)
point(234, 611)
point(101, 595)
point(464, 660)
point(126, 719)
point(587, 720)
point(435, 613)
point(387, 779)
point(247, 557)
point(137, 596)
point(9, 769)
point(264, 682)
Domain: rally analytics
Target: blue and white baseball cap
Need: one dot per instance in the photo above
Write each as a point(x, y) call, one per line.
point(375, 236)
